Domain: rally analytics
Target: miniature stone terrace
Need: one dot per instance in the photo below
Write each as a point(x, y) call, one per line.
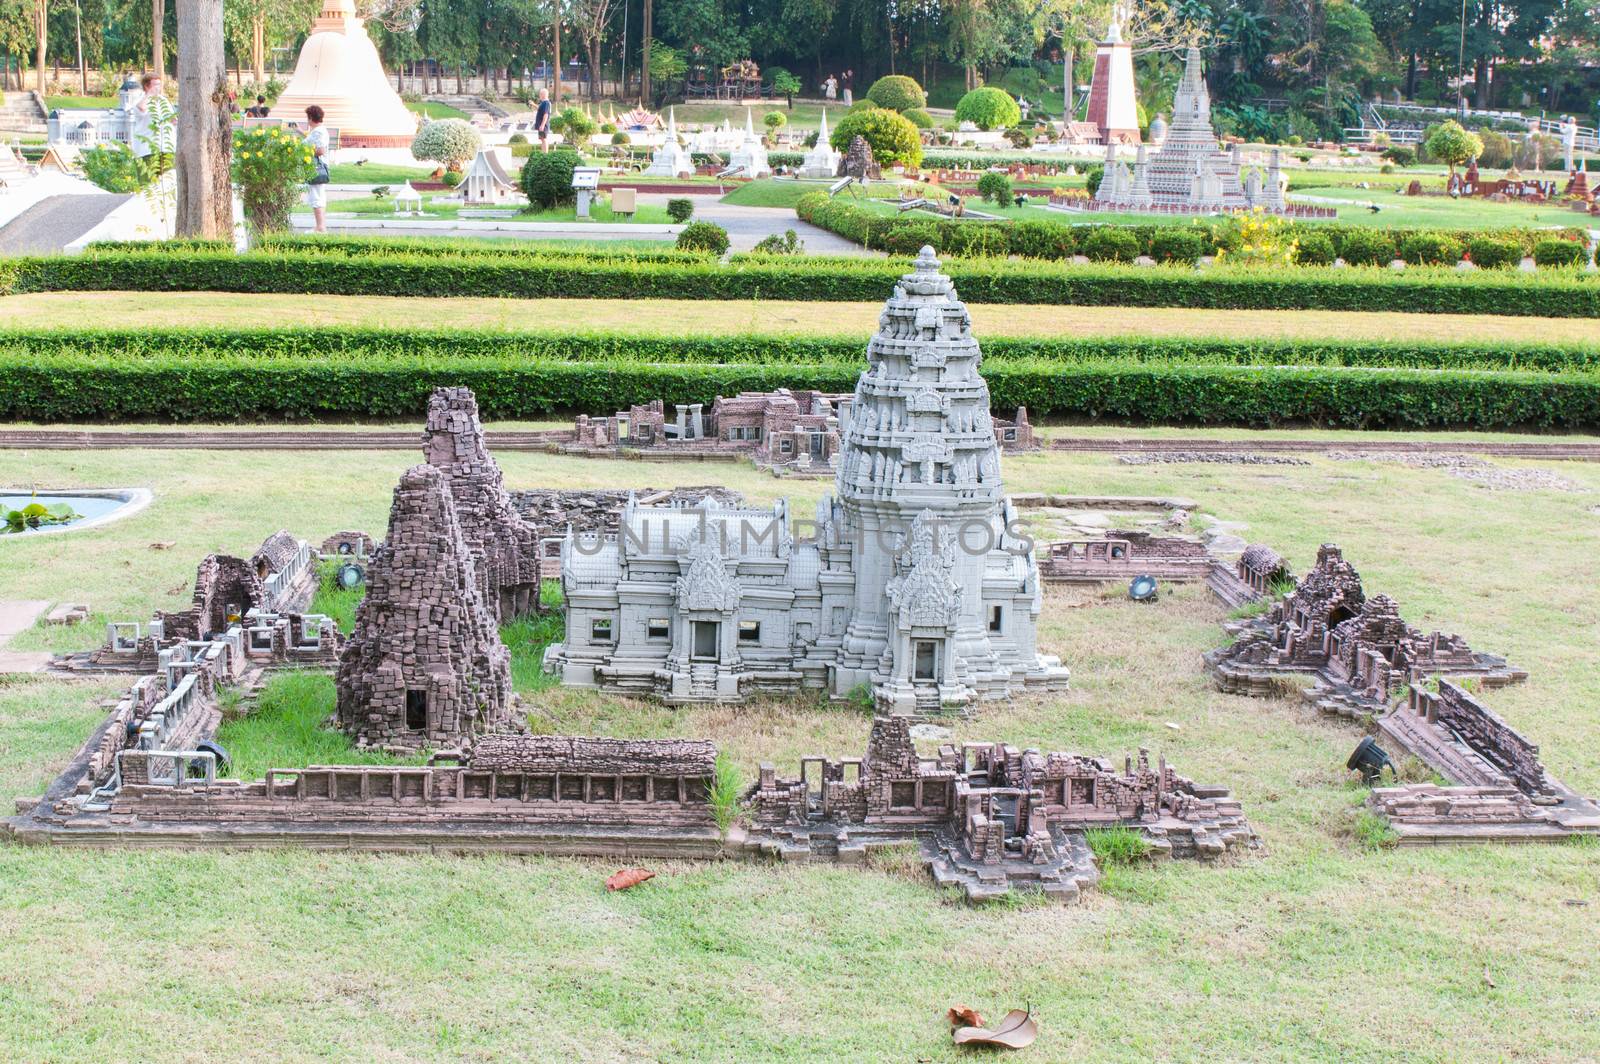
point(915, 597)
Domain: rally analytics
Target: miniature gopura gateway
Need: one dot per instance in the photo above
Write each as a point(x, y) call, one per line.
point(917, 584)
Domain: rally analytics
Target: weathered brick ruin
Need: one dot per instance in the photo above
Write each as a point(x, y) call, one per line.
point(789, 431)
point(425, 665)
point(989, 817)
point(505, 549)
point(1121, 555)
point(1360, 651)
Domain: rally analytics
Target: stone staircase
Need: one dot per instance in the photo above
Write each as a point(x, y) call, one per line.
point(703, 680)
point(474, 106)
point(22, 112)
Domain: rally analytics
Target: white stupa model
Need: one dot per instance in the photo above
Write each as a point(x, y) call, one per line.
point(821, 162)
point(339, 71)
point(671, 159)
point(749, 159)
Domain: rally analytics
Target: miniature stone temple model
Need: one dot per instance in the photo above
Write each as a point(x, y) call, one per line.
point(425, 665)
point(1113, 106)
point(859, 162)
point(339, 70)
point(822, 161)
point(671, 159)
point(505, 548)
point(916, 585)
point(749, 159)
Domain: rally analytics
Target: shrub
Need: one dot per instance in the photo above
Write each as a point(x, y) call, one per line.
point(908, 238)
point(619, 138)
point(1315, 249)
point(574, 125)
point(451, 178)
point(1367, 247)
point(269, 166)
point(1490, 254)
point(1430, 249)
point(607, 127)
point(774, 121)
point(1019, 138)
point(115, 168)
point(1092, 178)
point(894, 140)
point(447, 141)
point(703, 236)
point(918, 117)
point(1452, 145)
point(988, 108)
point(547, 178)
point(1498, 151)
point(680, 209)
point(723, 796)
point(517, 138)
point(1401, 156)
point(1111, 245)
point(863, 104)
point(995, 187)
point(1041, 240)
point(1172, 244)
point(898, 93)
point(976, 240)
point(1558, 253)
point(773, 244)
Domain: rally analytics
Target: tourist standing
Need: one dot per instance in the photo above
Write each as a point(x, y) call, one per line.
point(317, 183)
point(830, 88)
point(155, 134)
point(541, 120)
point(849, 87)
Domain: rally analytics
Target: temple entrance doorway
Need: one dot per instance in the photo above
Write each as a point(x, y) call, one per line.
point(705, 647)
point(925, 659)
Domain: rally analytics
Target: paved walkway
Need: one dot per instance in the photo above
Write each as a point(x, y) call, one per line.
point(56, 221)
point(18, 615)
point(747, 226)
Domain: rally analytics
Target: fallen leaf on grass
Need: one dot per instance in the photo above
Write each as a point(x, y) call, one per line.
point(164, 544)
point(1016, 1031)
point(628, 877)
point(964, 1016)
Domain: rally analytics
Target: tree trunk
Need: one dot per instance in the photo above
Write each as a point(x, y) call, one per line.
point(594, 70)
point(158, 20)
point(555, 68)
point(258, 48)
point(42, 25)
point(459, 68)
point(644, 68)
point(1411, 76)
point(204, 127)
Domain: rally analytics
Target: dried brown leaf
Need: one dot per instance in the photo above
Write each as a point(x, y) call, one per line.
point(628, 877)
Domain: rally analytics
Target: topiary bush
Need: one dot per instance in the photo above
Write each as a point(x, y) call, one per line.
point(995, 187)
point(897, 93)
point(1041, 240)
point(517, 138)
point(1177, 245)
point(908, 238)
point(1401, 156)
point(1489, 254)
point(451, 178)
point(1367, 247)
point(1111, 245)
point(894, 140)
point(1430, 249)
point(703, 236)
point(1092, 178)
point(918, 117)
point(547, 178)
point(680, 210)
point(1558, 253)
point(447, 141)
point(989, 108)
point(620, 139)
point(863, 104)
point(1315, 249)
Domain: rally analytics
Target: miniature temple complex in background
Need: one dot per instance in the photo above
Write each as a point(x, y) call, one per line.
point(917, 585)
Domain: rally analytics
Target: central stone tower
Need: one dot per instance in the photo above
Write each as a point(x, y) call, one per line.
point(923, 515)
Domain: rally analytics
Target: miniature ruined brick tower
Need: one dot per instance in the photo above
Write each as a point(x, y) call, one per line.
point(425, 665)
point(1113, 107)
point(505, 549)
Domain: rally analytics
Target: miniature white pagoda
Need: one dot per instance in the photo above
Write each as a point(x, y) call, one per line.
point(918, 586)
point(821, 162)
point(749, 159)
point(487, 180)
point(671, 159)
point(339, 70)
point(1189, 172)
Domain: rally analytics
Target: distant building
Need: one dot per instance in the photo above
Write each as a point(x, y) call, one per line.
point(88, 127)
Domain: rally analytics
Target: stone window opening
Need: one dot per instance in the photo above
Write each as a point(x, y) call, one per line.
point(416, 709)
point(1010, 435)
point(996, 618)
point(600, 630)
point(658, 628)
point(749, 631)
point(786, 446)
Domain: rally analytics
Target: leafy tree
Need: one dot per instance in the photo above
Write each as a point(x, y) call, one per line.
point(774, 121)
point(784, 83)
point(574, 125)
point(995, 187)
point(893, 139)
point(988, 108)
point(1453, 145)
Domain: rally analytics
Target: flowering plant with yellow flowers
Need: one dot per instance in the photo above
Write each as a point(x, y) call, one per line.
point(1257, 238)
point(270, 164)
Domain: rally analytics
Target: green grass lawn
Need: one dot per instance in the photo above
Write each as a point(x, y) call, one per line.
point(437, 206)
point(376, 173)
point(78, 102)
point(434, 109)
point(786, 192)
point(287, 728)
point(1317, 948)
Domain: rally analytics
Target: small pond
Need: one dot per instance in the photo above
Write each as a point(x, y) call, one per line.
point(26, 512)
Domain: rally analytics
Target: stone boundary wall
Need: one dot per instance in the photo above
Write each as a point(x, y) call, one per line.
point(1480, 728)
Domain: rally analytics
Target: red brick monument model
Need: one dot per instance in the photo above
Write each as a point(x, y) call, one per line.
point(1113, 107)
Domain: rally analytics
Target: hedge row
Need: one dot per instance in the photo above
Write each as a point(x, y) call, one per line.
point(980, 281)
point(1061, 240)
point(199, 346)
point(420, 246)
point(234, 389)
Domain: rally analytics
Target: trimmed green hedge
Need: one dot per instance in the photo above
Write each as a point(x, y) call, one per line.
point(228, 389)
point(1563, 294)
point(365, 344)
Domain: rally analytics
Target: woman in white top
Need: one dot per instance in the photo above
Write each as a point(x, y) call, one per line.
point(830, 88)
point(317, 193)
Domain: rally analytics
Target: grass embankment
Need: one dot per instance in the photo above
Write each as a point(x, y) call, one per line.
point(1316, 948)
point(438, 206)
